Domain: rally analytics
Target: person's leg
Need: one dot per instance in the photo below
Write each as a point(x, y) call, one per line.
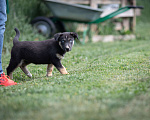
point(3, 18)
point(4, 80)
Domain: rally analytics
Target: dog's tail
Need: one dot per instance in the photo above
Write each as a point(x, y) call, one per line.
point(15, 40)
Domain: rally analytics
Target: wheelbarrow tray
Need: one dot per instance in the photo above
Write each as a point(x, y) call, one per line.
point(72, 12)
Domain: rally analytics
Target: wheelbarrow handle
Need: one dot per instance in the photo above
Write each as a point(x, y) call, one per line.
point(134, 7)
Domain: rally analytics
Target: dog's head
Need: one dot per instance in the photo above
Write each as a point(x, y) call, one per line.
point(66, 40)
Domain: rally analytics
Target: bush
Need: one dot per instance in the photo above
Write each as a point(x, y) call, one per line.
point(20, 14)
point(145, 17)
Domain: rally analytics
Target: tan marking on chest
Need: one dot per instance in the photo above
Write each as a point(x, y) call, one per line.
point(59, 56)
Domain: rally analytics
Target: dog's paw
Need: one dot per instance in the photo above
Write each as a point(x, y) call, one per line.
point(49, 75)
point(66, 73)
point(29, 75)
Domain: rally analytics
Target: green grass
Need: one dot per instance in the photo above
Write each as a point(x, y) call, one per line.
point(106, 81)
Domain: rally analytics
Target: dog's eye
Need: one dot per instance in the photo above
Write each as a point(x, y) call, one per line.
point(70, 41)
point(62, 41)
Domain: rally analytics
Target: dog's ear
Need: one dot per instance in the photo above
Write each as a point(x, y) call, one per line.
point(75, 35)
point(57, 35)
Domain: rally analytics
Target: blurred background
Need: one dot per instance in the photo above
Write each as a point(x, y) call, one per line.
point(22, 12)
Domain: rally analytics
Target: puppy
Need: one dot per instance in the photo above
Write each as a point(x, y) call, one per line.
point(40, 52)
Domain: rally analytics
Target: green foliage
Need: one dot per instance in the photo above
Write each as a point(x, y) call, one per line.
point(143, 31)
point(20, 14)
point(143, 21)
point(106, 28)
point(145, 17)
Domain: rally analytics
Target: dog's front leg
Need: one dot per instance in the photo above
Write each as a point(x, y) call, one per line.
point(49, 70)
point(60, 67)
point(63, 70)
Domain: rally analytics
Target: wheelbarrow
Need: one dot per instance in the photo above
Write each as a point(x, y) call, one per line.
point(63, 11)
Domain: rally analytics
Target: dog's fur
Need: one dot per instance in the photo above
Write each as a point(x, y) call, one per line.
point(40, 52)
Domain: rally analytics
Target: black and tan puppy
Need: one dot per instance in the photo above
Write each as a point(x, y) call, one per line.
point(40, 52)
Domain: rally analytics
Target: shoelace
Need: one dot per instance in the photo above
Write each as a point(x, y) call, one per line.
point(4, 77)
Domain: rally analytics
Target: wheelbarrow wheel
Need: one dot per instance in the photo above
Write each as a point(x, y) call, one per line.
point(59, 25)
point(44, 26)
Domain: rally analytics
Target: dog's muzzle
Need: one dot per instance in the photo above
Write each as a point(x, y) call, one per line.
point(67, 49)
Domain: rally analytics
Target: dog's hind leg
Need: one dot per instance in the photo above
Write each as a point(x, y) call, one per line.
point(25, 70)
point(12, 66)
point(49, 70)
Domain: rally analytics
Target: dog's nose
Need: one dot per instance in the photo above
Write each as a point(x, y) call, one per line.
point(67, 49)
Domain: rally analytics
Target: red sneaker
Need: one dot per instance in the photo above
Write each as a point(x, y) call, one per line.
point(5, 81)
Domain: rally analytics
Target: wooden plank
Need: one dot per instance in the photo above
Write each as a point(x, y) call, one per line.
point(81, 27)
point(97, 1)
point(111, 38)
point(129, 13)
point(123, 3)
point(118, 26)
point(93, 3)
point(77, 1)
point(108, 1)
point(126, 24)
point(134, 17)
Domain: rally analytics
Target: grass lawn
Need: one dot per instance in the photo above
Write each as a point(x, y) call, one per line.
point(107, 81)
